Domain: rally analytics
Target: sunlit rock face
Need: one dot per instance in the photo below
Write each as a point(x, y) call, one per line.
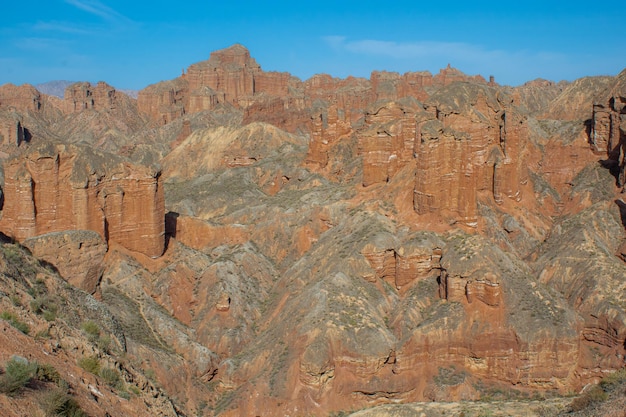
point(332, 244)
point(64, 187)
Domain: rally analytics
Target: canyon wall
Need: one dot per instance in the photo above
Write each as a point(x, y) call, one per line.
point(608, 130)
point(474, 144)
point(24, 97)
point(12, 131)
point(83, 96)
point(63, 187)
point(231, 76)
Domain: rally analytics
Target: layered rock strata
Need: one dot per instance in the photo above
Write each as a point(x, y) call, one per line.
point(608, 133)
point(24, 97)
point(231, 76)
point(12, 130)
point(64, 187)
point(78, 255)
point(475, 142)
point(388, 142)
point(403, 264)
point(84, 96)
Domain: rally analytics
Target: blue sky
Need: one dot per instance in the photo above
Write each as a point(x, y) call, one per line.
point(131, 44)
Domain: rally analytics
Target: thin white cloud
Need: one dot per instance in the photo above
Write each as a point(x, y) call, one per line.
point(336, 42)
point(41, 44)
point(411, 50)
point(96, 8)
point(62, 27)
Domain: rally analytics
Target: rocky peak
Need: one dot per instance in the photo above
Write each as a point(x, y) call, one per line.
point(82, 96)
point(23, 98)
point(12, 130)
point(234, 56)
point(449, 75)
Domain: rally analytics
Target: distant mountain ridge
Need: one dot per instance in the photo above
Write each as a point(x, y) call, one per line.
point(54, 88)
point(57, 88)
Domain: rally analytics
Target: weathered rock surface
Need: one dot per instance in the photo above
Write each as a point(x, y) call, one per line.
point(232, 76)
point(335, 244)
point(574, 102)
point(475, 143)
point(12, 131)
point(24, 97)
point(608, 131)
point(55, 312)
point(77, 255)
point(578, 261)
point(388, 141)
point(63, 187)
point(84, 96)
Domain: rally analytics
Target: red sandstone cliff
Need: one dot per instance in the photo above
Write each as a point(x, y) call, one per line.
point(608, 132)
point(232, 76)
point(63, 187)
point(24, 97)
point(83, 96)
point(481, 149)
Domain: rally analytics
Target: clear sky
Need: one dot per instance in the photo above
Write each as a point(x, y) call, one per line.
point(134, 43)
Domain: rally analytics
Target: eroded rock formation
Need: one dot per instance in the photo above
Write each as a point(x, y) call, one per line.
point(12, 131)
point(318, 250)
point(608, 132)
point(388, 142)
point(77, 255)
point(475, 143)
point(63, 187)
point(403, 263)
point(24, 97)
point(84, 96)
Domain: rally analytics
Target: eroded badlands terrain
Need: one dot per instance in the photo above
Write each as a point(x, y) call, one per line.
point(241, 242)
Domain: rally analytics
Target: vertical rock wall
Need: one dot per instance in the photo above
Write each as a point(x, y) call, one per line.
point(24, 97)
point(82, 96)
point(56, 188)
point(608, 131)
point(474, 142)
point(388, 142)
point(444, 178)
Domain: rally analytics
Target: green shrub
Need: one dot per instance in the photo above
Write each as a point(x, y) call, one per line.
point(15, 322)
point(94, 335)
point(17, 302)
point(12, 253)
point(112, 377)
point(91, 328)
point(135, 390)
point(49, 315)
point(42, 334)
point(104, 343)
point(38, 289)
point(18, 373)
point(613, 380)
point(21, 326)
point(58, 403)
point(47, 373)
point(45, 306)
point(90, 364)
